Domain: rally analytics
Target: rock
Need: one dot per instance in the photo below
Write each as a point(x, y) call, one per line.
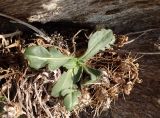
point(131, 15)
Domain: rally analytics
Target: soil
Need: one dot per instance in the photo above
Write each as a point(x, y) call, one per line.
point(144, 100)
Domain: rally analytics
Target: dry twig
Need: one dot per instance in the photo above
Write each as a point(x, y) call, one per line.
point(39, 32)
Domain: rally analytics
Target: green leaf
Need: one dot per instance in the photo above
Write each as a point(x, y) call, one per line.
point(65, 82)
point(67, 91)
point(99, 41)
point(77, 69)
point(77, 73)
point(71, 100)
point(39, 57)
point(68, 81)
point(71, 63)
point(59, 59)
point(35, 55)
point(66, 86)
point(94, 75)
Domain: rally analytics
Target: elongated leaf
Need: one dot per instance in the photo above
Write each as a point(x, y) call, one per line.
point(94, 75)
point(65, 82)
point(39, 57)
point(77, 73)
point(67, 91)
point(99, 41)
point(35, 55)
point(71, 63)
point(71, 100)
point(59, 60)
point(68, 81)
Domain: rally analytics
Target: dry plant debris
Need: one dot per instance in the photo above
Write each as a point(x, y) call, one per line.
point(27, 92)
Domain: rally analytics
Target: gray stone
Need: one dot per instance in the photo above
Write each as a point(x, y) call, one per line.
point(118, 14)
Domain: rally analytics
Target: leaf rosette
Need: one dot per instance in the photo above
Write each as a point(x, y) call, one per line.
point(38, 57)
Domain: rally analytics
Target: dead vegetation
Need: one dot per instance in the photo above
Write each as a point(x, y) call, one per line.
point(27, 92)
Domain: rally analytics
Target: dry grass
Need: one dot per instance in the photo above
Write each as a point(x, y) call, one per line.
point(27, 92)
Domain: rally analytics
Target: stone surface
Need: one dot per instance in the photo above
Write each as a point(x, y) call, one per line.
point(118, 14)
